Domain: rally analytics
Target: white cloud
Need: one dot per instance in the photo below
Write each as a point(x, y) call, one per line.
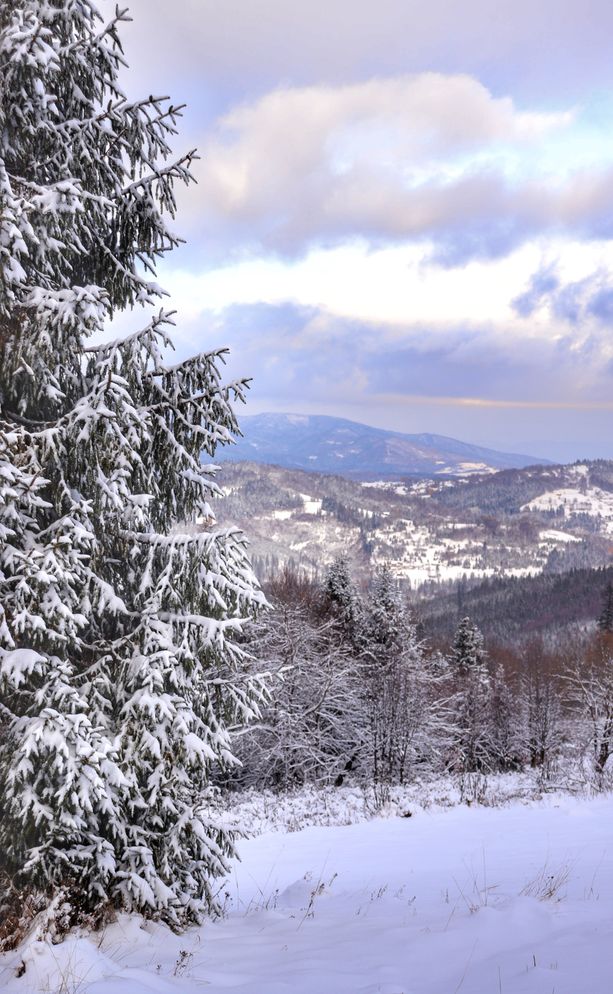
point(395, 286)
point(388, 158)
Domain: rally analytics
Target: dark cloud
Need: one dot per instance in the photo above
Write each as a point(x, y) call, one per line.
point(542, 284)
point(567, 303)
point(478, 238)
point(574, 302)
point(600, 305)
point(303, 354)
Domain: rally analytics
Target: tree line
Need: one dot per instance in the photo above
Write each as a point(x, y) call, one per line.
point(358, 695)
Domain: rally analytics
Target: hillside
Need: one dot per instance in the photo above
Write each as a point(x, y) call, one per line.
point(347, 448)
point(431, 896)
point(511, 609)
point(512, 523)
point(523, 552)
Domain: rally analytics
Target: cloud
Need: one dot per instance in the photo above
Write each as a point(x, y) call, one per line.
point(585, 304)
point(548, 394)
point(409, 158)
point(301, 355)
point(542, 284)
point(399, 287)
point(386, 128)
point(235, 48)
point(323, 122)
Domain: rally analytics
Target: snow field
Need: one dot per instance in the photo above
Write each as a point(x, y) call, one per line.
point(592, 502)
point(506, 900)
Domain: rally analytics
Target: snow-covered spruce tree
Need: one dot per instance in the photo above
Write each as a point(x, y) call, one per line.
point(385, 618)
point(343, 601)
point(120, 676)
point(405, 726)
point(471, 704)
point(467, 653)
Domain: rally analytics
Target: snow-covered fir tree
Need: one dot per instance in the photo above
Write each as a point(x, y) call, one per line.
point(467, 652)
point(343, 600)
point(121, 675)
point(471, 707)
point(386, 618)
point(405, 725)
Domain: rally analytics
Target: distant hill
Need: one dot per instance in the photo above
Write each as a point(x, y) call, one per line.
point(347, 448)
point(543, 519)
point(508, 608)
point(522, 551)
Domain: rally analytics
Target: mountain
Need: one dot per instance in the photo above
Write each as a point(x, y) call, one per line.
point(510, 523)
point(357, 451)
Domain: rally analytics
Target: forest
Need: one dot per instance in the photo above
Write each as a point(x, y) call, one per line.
point(358, 694)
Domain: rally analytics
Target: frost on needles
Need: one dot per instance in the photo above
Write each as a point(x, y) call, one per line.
point(120, 660)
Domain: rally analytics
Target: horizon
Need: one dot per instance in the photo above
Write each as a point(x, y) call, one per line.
point(390, 226)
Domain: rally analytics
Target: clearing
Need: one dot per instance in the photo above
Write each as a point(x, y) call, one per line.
point(479, 900)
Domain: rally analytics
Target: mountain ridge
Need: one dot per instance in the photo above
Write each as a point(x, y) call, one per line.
point(359, 451)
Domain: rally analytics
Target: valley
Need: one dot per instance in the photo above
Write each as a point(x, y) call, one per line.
point(515, 523)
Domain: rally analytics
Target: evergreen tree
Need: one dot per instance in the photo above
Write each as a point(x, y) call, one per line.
point(386, 621)
point(404, 723)
point(467, 652)
point(343, 600)
point(472, 701)
point(120, 672)
point(605, 621)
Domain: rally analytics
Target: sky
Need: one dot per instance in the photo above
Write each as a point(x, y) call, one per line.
point(403, 211)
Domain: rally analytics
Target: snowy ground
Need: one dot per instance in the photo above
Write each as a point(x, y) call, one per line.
point(479, 900)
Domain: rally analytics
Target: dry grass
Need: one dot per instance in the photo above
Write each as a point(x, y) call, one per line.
point(548, 883)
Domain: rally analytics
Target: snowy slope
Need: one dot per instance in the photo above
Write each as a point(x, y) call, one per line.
point(516, 523)
point(335, 445)
point(479, 900)
point(568, 502)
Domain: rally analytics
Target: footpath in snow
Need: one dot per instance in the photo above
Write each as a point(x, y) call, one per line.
point(468, 900)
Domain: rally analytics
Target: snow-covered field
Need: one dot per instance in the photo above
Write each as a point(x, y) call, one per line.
point(479, 900)
point(569, 501)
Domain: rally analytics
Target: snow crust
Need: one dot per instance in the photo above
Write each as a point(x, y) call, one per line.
point(478, 900)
